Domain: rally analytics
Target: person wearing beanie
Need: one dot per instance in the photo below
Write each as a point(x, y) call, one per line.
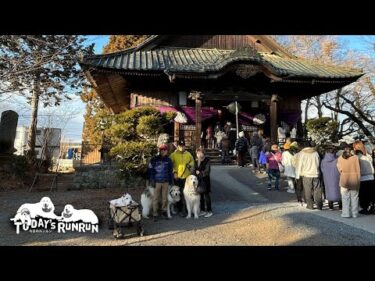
point(160, 172)
point(241, 146)
point(289, 172)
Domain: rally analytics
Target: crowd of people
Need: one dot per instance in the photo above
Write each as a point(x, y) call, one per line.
point(341, 174)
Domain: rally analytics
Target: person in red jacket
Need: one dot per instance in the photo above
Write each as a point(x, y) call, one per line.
point(273, 161)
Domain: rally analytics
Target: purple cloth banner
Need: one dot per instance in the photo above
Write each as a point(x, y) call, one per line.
point(291, 117)
point(206, 112)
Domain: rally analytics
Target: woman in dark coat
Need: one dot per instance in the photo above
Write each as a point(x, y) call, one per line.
point(203, 173)
point(331, 178)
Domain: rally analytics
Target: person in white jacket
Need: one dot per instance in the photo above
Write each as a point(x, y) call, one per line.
point(308, 168)
point(289, 170)
point(299, 186)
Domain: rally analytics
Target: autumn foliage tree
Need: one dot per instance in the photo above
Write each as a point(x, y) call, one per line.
point(97, 116)
point(121, 42)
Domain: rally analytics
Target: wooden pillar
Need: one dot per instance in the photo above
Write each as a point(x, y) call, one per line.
point(176, 132)
point(273, 118)
point(195, 95)
point(198, 122)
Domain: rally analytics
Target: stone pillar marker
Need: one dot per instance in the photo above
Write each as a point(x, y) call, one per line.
point(8, 129)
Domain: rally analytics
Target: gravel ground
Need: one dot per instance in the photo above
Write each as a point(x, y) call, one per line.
point(245, 213)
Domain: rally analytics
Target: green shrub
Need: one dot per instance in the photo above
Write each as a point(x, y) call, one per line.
point(322, 129)
point(120, 132)
point(133, 135)
point(149, 126)
point(134, 157)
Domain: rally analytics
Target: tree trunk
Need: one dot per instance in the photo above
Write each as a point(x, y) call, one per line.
point(34, 120)
point(319, 106)
point(338, 133)
point(337, 105)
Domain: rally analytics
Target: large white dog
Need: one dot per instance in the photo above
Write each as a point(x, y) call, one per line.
point(174, 196)
point(192, 197)
point(72, 215)
point(124, 201)
point(44, 209)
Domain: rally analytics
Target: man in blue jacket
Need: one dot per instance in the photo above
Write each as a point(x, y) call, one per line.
point(160, 172)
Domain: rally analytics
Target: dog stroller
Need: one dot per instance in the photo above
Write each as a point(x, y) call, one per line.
point(122, 217)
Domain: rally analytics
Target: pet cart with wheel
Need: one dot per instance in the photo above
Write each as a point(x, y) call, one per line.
point(122, 217)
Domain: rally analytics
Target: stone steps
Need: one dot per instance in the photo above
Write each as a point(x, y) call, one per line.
point(215, 157)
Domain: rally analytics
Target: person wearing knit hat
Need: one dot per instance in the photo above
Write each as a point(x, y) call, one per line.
point(241, 147)
point(163, 147)
point(289, 172)
point(286, 146)
point(160, 171)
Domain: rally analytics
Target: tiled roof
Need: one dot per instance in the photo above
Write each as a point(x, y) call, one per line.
point(197, 60)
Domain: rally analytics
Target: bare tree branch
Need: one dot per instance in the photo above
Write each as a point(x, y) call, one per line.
point(355, 119)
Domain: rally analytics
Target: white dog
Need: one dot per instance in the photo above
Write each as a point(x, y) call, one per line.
point(72, 215)
point(192, 197)
point(124, 201)
point(174, 196)
point(44, 209)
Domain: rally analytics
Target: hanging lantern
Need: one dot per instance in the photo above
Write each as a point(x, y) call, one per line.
point(232, 107)
point(180, 118)
point(259, 119)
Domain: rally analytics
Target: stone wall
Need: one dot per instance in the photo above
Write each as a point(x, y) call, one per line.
point(102, 176)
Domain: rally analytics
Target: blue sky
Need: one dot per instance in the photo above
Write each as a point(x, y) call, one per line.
point(99, 40)
point(73, 127)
